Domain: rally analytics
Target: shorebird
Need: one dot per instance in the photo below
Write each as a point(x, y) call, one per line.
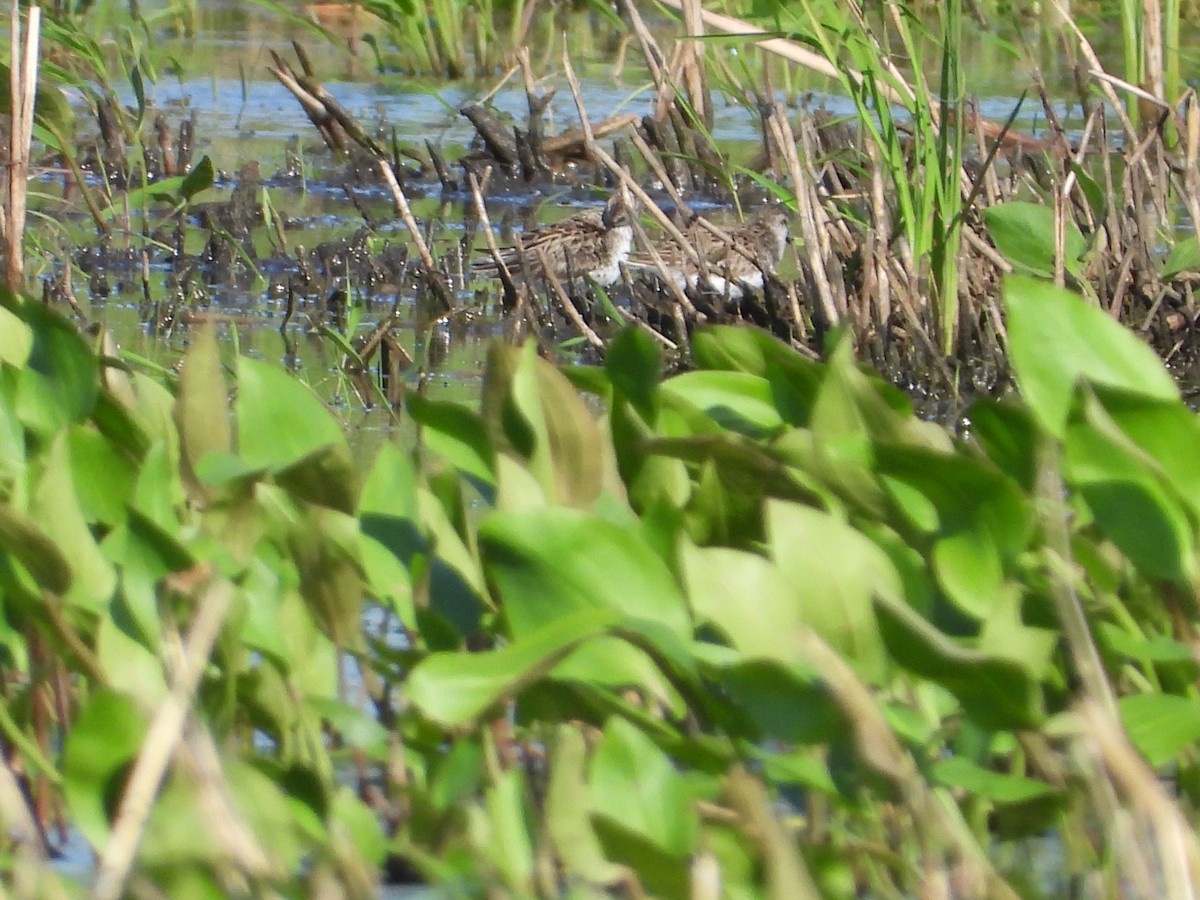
point(730, 267)
point(592, 242)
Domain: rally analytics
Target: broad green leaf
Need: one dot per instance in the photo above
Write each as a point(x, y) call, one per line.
point(567, 819)
point(16, 339)
point(794, 380)
point(1024, 233)
point(511, 847)
point(634, 364)
point(458, 775)
point(202, 405)
point(1160, 725)
point(983, 520)
point(532, 410)
point(452, 688)
point(836, 571)
point(55, 504)
point(618, 665)
point(1168, 431)
point(358, 728)
point(782, 702)
point(546, 564)
point(995, 692)
point(357, 828)
point(997, 787)
point(1184, 257)
point(456, 434)
point(103, 741)
point(325, 477)
point(1128, 496)
point(35, 550)
point(103, 476)
point(635, 787)
point(59, 383)
point(1056, 339)
point(735, 400)
point(764, 629)
point(280, 421)
point(200, 178)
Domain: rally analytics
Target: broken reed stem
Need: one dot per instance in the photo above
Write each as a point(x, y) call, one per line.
point(565, 304)
point(22, 90)
point(488, 237)
point(163, 736)
point(406, 215)
point(816, 239)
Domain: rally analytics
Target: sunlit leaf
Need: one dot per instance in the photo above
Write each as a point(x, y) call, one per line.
point(454, 687)
point(279, 420)
point(836, 572)
point(1056, 339)
point(635, 788)
point(1160, 725)
point(102, 743)
point(547, 564)
point(456, 434)
point(1024, 233)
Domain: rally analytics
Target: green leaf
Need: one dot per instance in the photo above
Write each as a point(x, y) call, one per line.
point(456, 434)
point(635, 787)
point(735, 400)
point(549, 563)
point(764, 629)
point(1024, 233)
point(35, 550)
point(1056, 339)
point(458, 775)
point(200, 178)
point(836, 572)
point(326, 477)
point(510, 847)
point(452, 688)
point(55, 504)
point(16, 339)
point(633, 364)
point(357, 728)
point(983, 520)
point(280, 421)
point(202, 405)
point(101, 745)
point(1184, 257)
point(59, 383)
point(995, 692)
point(567, 817)
point(1131, 503)
point(957, 772)
point(1160, 725)
point(103, 476)
point(357, 824)
point(534, 414)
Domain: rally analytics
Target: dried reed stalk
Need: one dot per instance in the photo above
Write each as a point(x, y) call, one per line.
point(185, 666)
point(23, 88)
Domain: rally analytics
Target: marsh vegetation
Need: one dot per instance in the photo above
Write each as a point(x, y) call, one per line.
point(694, 597)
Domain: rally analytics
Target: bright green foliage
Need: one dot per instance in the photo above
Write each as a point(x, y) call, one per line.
point(624, 645)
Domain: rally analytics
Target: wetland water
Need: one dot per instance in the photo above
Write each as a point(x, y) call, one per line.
point(243, 115)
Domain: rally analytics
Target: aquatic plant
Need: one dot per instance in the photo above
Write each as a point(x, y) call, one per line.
point(759, 626)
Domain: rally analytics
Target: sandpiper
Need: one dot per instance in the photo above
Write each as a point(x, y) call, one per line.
point(730, 267)
point(592, 242)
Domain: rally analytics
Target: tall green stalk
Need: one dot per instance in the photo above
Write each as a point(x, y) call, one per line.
point(947, 213)
point(1131, 42)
